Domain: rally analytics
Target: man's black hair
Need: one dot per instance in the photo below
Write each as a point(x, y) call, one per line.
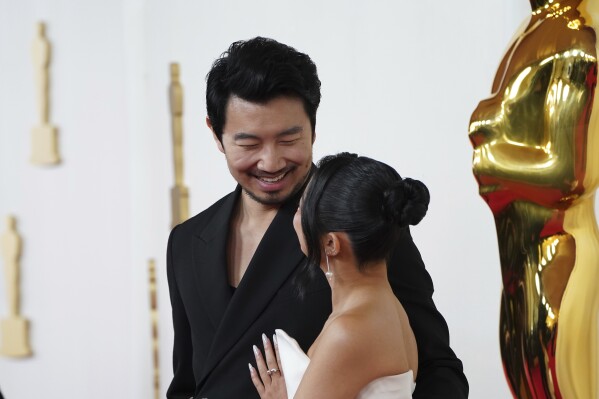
point(259, 70)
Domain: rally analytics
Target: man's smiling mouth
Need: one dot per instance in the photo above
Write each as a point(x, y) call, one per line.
point(271, 180)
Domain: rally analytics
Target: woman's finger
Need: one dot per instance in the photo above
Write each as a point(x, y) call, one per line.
point(256, 380)
point(271, 358)
point(261, 366)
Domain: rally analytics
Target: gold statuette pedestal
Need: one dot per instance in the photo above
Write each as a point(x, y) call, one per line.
point(15, 333)
point(44, 148)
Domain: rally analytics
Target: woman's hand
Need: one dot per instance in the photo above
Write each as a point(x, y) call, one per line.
point(268, 378)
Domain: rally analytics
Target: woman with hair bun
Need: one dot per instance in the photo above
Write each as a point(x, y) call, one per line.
point(349, 219)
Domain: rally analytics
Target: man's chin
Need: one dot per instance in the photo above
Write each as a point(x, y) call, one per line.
point(276, 198)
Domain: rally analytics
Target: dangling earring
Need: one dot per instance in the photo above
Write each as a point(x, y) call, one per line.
point(329, 273)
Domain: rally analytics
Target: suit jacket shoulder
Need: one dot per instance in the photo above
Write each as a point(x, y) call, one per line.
point(195, 224)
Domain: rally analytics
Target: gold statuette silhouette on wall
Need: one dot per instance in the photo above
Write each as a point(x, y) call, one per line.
point(14, 329)
point(44, 136)
point(536, 159)
point(179, 193)
point(154, 324)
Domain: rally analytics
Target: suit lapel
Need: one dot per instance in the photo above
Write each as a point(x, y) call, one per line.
point(210, 261)
point(275, 259)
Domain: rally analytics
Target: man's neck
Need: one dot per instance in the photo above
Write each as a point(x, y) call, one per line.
point(248, 226)
point(253, 213)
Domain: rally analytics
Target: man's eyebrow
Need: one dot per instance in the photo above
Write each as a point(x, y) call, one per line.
point(287, 132)
point(241, 136)
point(291, 131)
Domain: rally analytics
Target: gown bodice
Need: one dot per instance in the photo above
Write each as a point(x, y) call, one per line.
point(294, 363)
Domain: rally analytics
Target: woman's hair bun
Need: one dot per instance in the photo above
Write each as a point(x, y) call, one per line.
point(406, 202)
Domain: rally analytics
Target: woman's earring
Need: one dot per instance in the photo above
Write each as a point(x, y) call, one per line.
point(329, 273)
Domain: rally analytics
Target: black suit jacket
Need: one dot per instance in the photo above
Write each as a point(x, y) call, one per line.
point(215, 329)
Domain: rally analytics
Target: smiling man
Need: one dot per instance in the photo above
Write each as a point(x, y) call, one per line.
point(231, 268)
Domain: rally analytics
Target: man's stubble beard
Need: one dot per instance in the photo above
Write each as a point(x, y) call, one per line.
point(278, 201)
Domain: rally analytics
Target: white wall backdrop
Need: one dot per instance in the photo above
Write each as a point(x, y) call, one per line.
point(400, 80)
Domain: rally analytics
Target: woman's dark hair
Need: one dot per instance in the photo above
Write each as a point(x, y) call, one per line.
point(366, 199)
point(259, 70)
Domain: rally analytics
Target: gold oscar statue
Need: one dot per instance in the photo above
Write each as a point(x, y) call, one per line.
point(154, 323)
point(14, 329)
point(44, 136)
point(536, 159)
point(179, 193)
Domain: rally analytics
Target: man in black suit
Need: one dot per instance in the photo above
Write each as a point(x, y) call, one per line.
point(231, 269)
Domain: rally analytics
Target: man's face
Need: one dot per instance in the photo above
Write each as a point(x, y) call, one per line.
point(268, 147)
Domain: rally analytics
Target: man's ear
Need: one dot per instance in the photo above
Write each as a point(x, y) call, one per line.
point(219, 144)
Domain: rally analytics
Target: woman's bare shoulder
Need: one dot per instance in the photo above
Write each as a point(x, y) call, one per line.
point(353, 336)
point(342, 355)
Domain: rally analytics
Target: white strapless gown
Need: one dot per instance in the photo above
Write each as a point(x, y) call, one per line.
point(295, 362)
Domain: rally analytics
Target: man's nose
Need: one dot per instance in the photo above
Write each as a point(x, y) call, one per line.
point(271, 159)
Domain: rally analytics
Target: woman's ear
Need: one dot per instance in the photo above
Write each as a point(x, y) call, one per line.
point(331, 244)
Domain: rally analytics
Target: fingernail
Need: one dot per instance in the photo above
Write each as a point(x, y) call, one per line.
point(256, 351)
point(264, 339)
point(250, 366)
point(274, 339)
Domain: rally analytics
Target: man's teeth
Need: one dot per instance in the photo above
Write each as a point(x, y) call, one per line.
point(272, 179)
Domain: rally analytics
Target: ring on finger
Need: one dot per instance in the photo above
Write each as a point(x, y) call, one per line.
point(272, 371)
